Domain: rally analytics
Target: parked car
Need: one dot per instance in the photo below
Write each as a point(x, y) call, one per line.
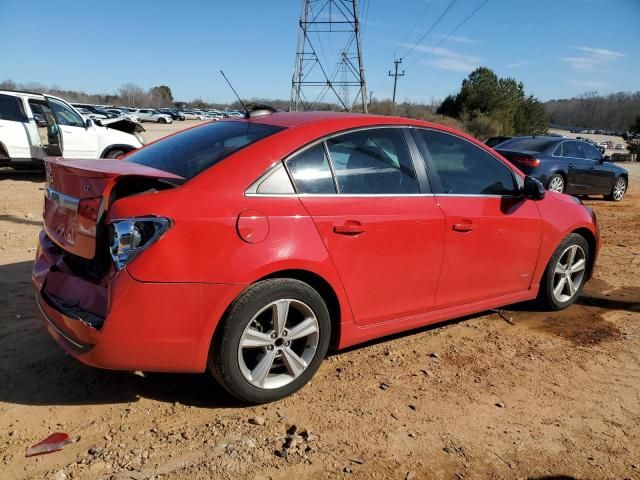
point(93, 116)
point(33, 126)
point(191, 115)
point(566, 165)
point(493, 141)
point(271, 238)
point(619, 146)
point(125, 114)
point(152, 115)
point(174, 114)
point(95, 110)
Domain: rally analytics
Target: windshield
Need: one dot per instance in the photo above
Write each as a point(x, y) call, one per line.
point(535, 144)
point(192, 151)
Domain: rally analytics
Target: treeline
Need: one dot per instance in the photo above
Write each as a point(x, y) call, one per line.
point(616, 111)
point(486, 105)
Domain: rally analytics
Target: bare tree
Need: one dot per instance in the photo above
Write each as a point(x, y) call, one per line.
point(132, 95)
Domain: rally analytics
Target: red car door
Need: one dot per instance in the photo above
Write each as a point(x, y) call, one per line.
point(385, 237)
point(492, 235)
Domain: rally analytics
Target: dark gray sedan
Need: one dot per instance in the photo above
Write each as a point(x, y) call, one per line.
point(566, 165)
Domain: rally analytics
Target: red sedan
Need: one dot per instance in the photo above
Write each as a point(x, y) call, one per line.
point(250, 246)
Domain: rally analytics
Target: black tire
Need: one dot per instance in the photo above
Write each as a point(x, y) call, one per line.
point(616, 195)
point(556, 179)
point(162, 120)
point(224, 361)
point(546, 298)
point(114, 153)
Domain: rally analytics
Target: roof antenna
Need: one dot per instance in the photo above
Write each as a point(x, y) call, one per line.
point(246, 110)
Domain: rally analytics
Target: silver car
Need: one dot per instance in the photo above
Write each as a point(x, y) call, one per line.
point(152, 115)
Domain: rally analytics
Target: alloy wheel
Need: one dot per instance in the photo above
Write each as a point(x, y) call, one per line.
point(569, 273)
point(619, 188)
point(556, 184)
point(278, 344)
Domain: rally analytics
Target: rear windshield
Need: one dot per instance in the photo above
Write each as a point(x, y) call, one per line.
point(539, 144)
point(190, 152)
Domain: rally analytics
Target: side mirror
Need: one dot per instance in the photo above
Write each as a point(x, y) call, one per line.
point(88, 122)
point(532, 188)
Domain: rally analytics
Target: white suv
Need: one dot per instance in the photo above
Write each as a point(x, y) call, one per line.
point(33, 126)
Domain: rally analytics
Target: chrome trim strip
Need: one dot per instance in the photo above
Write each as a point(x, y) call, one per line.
point(339, 195)
point(63, 200)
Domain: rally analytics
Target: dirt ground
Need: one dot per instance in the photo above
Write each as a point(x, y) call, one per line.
point(549, 395)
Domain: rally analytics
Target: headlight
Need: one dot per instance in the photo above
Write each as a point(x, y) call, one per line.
point(129, 237)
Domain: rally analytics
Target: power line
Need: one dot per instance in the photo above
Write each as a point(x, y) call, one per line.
point(445, 38)
point(417, 22)
point(433, 25)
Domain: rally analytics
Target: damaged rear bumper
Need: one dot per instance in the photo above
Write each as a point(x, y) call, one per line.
point(124, 324)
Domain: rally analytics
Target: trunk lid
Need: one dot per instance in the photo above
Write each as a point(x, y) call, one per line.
point(78, 194)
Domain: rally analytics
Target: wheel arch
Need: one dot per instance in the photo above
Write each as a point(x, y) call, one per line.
point(4, 153)
point(326, 291)
point(123, 147)
point(589, 236)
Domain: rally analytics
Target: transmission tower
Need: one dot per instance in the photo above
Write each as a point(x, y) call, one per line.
point(337, 22)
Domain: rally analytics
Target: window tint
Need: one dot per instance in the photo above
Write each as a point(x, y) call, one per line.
point(536, 144)
point(372, 161)
point(11, 109)
point(65, 115)
point(570, 149)
point(311, 172)
point(464, 168)
point(192, 151)
point(590, 152)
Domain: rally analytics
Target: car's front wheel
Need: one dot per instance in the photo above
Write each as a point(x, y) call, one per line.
point(619, 189)
point(556, 183)
point(162, 120)
point(271, 341)
point(566, 273)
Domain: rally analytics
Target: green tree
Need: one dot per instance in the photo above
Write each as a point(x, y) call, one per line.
point(161, 96)
point(489, 105)
point(530, 117)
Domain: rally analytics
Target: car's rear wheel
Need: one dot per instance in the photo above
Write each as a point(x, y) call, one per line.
point(619, 189)
point(556, 183)
point(271, 341)
point(566, 273)
point(115, 153)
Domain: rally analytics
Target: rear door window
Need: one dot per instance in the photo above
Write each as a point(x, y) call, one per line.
point(192, 151)
point(464, 168)
point(570, 149)
point(11, 109)
point(372, 161)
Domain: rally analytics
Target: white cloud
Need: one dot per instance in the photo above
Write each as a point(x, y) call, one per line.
point(593, 58)
point(601, 52)
point(521, 63)
point(446, 59)
point(588, 83)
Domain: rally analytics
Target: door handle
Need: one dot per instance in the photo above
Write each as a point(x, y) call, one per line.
point(464, 227)
point(570, 165)
point(350, 227)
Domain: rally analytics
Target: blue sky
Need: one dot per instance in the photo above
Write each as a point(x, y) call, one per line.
point(558, 48)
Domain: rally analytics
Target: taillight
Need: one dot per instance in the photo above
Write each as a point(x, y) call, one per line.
point(129, 237)
point(525, 160)
point(89, 208)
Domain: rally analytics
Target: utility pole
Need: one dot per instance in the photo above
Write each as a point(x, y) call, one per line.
point(395, 76)
point(336, 22)
point(370, 98)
